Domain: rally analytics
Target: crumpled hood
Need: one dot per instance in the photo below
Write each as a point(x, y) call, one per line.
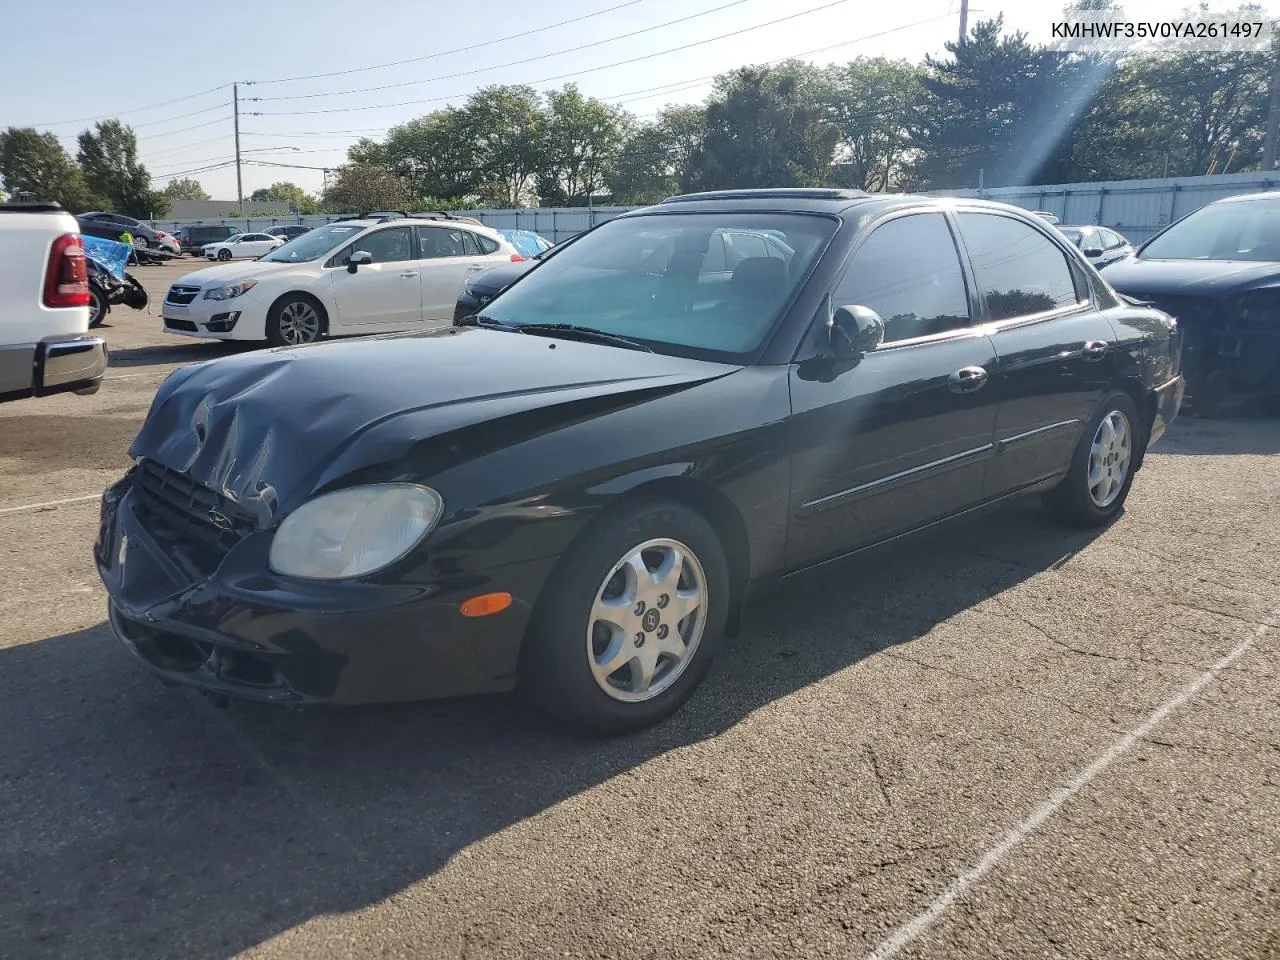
point(262, 428)
point(225, 273)
point(1190, 278)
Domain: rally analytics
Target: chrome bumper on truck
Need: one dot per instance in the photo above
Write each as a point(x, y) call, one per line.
point(54, 365)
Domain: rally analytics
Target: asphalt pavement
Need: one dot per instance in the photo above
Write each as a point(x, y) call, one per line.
point(1005, 740)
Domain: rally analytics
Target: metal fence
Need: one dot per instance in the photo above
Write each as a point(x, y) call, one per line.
point(554, 223)
point(1136, 208)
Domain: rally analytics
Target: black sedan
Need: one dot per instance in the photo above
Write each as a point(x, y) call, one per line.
point(579, 494)
point(481, 287)
point(1217, 271)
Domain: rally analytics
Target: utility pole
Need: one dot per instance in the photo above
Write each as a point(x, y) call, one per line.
point(1273, 118)
point(235, 104)
point(964, 19)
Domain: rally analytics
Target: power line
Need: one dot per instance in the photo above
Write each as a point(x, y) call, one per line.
point(445, 53)
point(575, 73)
point(186, 146)
point(510, 63)
point(120, 113)
point(212, 165)
point(182, 116)
point(195, 126)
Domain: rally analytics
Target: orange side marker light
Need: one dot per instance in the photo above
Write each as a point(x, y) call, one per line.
point(485, 605)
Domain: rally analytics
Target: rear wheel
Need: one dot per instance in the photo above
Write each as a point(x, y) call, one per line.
point(295, 320)
point(1101, 473)
point(629, 624)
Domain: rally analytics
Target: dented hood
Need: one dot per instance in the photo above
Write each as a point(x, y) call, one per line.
point(264, 428)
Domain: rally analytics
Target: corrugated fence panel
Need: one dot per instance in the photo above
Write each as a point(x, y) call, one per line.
point(1137, 208)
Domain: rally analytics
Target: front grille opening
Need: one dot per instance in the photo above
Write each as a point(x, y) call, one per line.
point(181, 295)
point(237, 666)
point(168, 651)
point(187, 325)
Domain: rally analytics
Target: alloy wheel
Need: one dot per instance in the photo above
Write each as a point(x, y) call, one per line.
point(299, 323)
point(647, 620)
point(1109, 458)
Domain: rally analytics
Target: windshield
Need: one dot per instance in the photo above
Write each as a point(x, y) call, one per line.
point(314, 244)
point(1072, 233)
point(1239, 230)
point(692, 283)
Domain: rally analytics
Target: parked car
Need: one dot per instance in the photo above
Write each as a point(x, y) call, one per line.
point(1099, 245)
point(44, 305)
point(580, 493)
point(110, 226)
point(1217, 271)
point(241, 245)
point(193, 239)
point(526, 242)
point(370, 275)
point(288, 231)
point(726, 250)
point(1046, 216)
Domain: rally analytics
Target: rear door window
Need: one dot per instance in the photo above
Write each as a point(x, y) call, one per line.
point(1020, 271)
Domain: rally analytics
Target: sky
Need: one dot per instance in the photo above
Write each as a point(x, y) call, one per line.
point(167, 69)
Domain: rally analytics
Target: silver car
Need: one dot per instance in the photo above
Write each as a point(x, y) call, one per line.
point(1100, 245)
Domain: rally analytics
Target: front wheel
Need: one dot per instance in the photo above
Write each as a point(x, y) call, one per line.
point(293, 321)
point(97, 305)
point(1097, 483)
point(224, 254)
point(628, 625)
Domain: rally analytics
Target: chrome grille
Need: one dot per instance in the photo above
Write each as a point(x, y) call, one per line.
point(180, 295)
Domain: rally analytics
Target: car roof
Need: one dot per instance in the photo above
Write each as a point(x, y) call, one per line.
point(1246, 197)
point(813, 200)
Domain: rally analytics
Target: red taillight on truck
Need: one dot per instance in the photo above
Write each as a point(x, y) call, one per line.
point(516, 258)
point(66, 283)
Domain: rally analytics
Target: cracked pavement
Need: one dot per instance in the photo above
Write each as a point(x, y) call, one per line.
point(872, 735)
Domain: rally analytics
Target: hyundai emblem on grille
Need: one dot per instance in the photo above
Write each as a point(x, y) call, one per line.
point(220, 520)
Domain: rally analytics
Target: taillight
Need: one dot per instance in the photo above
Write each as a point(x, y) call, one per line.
point(516, 258)
point(66, 283)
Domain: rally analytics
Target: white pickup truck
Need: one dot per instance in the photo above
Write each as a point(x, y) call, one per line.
point(44, 305)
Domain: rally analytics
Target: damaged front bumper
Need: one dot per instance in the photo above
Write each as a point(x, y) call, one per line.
point(224, 623)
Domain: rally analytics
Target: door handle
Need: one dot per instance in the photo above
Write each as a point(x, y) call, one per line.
point(967, 380)
point(409, 273)
point(476, 266)
point(1095, 349)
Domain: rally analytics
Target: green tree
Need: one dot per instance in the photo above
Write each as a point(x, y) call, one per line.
point(108, 156)
point(1001, 110)
point(289, 194)
point(583, 137)
point(765, 128)
point(363, 187)
point(185, 189)
point(869, 102)
point(35, 166)
point(433, 154)
point(507, 127)
point(656, 160)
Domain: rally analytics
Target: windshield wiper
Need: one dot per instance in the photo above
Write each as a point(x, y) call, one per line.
point(480, 320)
point(584, 333)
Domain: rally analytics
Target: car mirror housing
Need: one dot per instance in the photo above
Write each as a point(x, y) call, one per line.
point(1092, 252)
point(358, 258)
point(854, 330)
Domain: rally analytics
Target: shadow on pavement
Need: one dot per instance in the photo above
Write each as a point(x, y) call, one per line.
point(140, 821)
point(193, 352)
point(1256, 433)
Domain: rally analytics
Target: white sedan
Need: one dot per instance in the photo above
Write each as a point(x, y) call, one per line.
point(374, 275)
point(241, 245)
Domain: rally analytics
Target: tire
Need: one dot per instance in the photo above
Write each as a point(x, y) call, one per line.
point(98, 306)
point(586, 671)
point(224, 254)
point(289, 321)
point(1095, 488)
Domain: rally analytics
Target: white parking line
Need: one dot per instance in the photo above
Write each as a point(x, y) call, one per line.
point(904, 935)
point(50, 503)
point(140, 376)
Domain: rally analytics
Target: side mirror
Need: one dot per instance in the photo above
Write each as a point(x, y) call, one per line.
point(357, 259)
point(854, 330)
point(1092, 252)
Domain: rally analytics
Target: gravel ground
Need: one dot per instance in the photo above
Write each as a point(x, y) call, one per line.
point(1002, 741)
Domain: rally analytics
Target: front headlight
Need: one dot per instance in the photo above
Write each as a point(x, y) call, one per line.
point(353, 532)
point(230, 290)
